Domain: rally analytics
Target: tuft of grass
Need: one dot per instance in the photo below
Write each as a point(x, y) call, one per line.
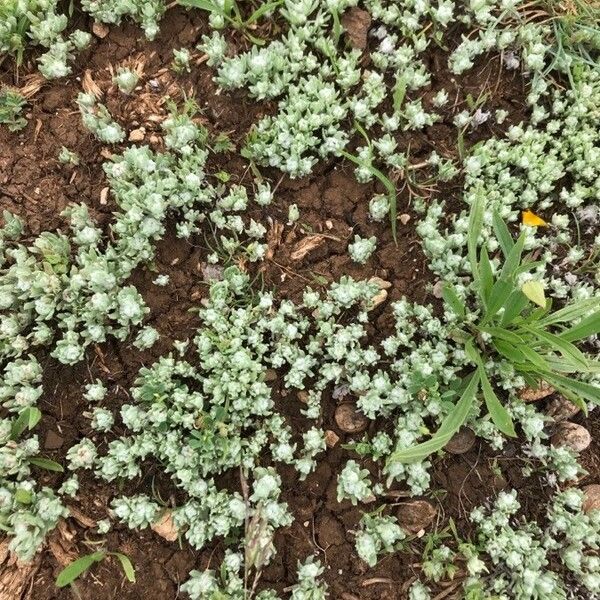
point(575, 30)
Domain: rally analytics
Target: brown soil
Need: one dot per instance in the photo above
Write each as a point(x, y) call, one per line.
point(333, 207)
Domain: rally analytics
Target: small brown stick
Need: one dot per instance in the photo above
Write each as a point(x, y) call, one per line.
point(376, 580)
point(282, 267)
point(448, 591)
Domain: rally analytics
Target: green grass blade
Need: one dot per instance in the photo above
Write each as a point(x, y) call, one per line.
point(46, 463)
point(503, 334)
point(28, 418)
point(475, 225)
point(503, 235)
point(586, 328)
point(452, 300)
point(486, 274)
point(500, 416)
point(206, 5)
point(261, 10)
point(498, 297)
point(337, 26)
point(399, 92)
point(515, 304)
point(571, 312)
point(387, 184)
point(509, 351)
point(536, 360)
point(452, 423)
point(557, 344)
point(75, 569)
point(127, 566)
point(559, 365)
point(513, 260)
point(577, 391)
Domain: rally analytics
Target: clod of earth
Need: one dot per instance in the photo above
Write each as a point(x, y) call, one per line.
point(356, 22)
point(53, 440)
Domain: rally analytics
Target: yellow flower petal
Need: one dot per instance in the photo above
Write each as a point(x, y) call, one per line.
point(532, 220)
point(534, 290)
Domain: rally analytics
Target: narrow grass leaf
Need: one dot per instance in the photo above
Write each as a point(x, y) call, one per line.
point(475, 225)
point(46, 463)
point(204, 5)
point(586, 328)
point(536, 360)
point(503, 334)
point(387, 184)
point(513, 307)
point(509, 351)
point(261, 10)
point(486, 275)
point(585, 391)
point(75, 569)
point(571, 312)
point(399, 92)
point(568, 350)
point(513, 260)
point(28, 418)
point(337, 26)
point(452, 423)
point(127, 566)
point(498, 297)
point(500, 416)
point(452, 300)
point(502, 233)
point(559, 365)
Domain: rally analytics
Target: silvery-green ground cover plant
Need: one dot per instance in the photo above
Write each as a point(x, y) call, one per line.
point(300, 299)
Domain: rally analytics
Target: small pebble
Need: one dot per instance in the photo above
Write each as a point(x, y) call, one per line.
point(137, 135)
point(53, 441)
point(349, 419)
point(529, 394)
point(461, 442)
point(100, 30)
point(165, 527)
point(416, 515)
point(591, 498)
point(331, 438)
point(572, 436)
point(270, 375)
point(561, 409)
